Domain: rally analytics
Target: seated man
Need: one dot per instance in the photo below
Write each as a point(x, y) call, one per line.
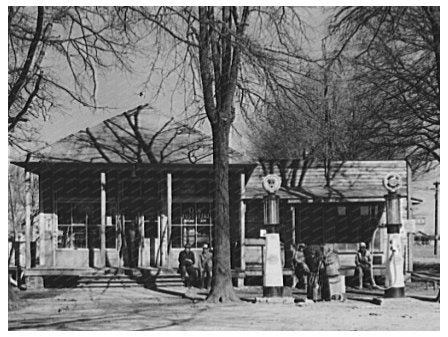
point(363, 262)
point(206, 266)
point(186, 265)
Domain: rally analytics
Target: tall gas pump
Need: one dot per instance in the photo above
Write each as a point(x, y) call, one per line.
point(273, 273)
point(395, 260)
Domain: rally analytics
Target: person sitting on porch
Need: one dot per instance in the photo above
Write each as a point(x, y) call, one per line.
point(300, 267)
point(206, 266)
point(186, 265)
point(363, 262)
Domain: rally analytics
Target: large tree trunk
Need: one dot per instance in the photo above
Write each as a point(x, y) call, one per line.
point(222, 288)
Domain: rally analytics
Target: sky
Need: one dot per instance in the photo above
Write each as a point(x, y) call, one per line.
point(121, 91)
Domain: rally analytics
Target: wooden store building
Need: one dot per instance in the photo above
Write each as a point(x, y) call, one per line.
point(133, 190)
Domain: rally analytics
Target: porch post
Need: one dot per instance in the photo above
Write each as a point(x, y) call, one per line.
point(293, 224)
point(103, 219)
point(242, 220)
point(27, 219)
point(169, 206)
point(410, 236)
point(43, 235)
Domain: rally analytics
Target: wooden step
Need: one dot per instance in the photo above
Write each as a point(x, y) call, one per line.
point(112, 285)
point(169, 284)
point(106, 282)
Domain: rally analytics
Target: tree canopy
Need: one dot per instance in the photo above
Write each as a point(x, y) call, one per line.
point(395, 56)
point(55, 56)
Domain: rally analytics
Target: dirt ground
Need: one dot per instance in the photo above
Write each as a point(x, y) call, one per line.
point(144, 309)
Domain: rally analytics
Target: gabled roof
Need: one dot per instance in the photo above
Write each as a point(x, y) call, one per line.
point(137, 136)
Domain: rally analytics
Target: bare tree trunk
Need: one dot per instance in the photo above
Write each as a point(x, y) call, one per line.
point(222, 288)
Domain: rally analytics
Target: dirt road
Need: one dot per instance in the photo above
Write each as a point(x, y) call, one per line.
point(143, 309)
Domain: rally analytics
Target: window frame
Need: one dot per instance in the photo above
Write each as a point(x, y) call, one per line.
point(182, 226)
point(111, 208)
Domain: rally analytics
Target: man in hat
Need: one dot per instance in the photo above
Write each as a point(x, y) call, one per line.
point(363, 262)
point(314, 260)
point(186, 265)
point(206, 266)
point(299, 266)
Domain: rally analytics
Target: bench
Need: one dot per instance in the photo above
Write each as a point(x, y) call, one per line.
point(378, 270)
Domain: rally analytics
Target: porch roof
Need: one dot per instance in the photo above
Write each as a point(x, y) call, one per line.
point(136, 136)
point(39, 166)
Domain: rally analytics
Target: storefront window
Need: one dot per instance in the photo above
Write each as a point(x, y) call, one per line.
point(192, 223)
point(79, 225)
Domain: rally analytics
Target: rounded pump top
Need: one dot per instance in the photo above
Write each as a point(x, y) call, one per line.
point(271, 183)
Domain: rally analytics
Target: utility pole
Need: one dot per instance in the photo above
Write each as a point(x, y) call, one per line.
point(436, 217)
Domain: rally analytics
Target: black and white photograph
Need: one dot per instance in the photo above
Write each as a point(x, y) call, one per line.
point(187, 167)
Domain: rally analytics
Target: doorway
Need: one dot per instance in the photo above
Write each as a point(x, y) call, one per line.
point(132, 241)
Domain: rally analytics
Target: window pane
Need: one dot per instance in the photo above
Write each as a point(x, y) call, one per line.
point(189, 236)
point(188, 214)
point(364, 210)
point(203, 235)
point(64, 233)
point(342, 210)
point(79, 237)
point(71, 237)
point(176, 239)
point(203, 214)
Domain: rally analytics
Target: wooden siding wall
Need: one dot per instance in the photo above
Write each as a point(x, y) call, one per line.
point(193, 185)
point(318, 223)
point(321, 223)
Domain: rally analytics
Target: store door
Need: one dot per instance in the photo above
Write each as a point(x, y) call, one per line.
point(132, 240)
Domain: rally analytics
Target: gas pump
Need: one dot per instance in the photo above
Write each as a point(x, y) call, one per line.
point(394, 262)
point(273, 273)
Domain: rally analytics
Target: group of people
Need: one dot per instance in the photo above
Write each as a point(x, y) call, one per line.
point(316, 265)
point(313, 266)
point(188, 270)
point(310, 262)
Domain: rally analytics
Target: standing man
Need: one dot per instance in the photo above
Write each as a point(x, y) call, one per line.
point(300, 267)
point(186, 265)
point(315, 263)
point(206, 266)
point(363, 262)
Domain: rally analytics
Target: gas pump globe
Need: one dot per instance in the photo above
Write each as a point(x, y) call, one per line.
point(272, 268)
